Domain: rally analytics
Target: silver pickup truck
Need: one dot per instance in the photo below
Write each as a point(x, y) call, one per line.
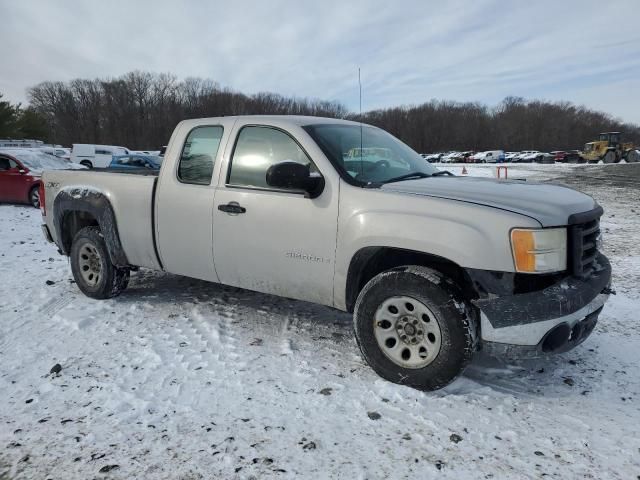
point(433, 266)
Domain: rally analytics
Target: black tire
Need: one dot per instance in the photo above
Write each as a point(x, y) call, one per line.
point(610, 157)
point(633, 157)
point(111, 280)
point(86, 163)
point(34, 196)
point(458, 328)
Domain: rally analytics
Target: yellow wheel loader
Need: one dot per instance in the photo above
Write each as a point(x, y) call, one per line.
point(610, 149)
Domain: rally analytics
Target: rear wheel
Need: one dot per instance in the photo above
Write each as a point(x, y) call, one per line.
point(86, 163)
point(91, 266)
point(411, 330)
point(633, 156)
point(609, 157)
point(34, 196)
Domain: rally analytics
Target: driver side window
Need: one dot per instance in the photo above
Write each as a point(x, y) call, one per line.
point(257, 149)
point(7, 164)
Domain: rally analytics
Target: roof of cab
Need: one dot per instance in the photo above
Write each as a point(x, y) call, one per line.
point(299, 120)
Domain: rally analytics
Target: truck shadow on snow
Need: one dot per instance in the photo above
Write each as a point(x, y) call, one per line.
point(315, 327)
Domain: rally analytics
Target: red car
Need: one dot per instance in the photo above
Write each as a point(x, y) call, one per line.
point(571, 156)
point(20, 171)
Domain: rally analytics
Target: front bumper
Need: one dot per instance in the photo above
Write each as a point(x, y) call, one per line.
point(550, 320)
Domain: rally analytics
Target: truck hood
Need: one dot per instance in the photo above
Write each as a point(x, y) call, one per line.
point(551, 205)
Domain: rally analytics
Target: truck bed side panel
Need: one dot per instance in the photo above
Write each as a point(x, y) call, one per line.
point(131, 197)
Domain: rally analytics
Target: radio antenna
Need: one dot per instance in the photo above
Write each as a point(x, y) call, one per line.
point(360, 92)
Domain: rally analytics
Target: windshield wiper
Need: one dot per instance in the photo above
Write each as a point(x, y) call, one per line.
point(408, 176)
point(442, 172)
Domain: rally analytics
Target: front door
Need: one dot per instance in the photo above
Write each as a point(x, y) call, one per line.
point(11, 181)
point(270, 240)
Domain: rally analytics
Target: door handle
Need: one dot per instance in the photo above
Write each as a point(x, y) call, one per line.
point(232, 208)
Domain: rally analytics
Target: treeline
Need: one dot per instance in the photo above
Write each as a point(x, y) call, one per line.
point(18, 122)
point(513, 125)
point(139, 110)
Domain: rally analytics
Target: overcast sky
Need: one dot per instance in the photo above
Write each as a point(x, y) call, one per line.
point(585, 51)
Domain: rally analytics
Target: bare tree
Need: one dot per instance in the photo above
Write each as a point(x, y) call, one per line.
point(140, 109)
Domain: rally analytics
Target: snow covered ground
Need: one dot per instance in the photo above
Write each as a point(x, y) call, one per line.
point(183, 379)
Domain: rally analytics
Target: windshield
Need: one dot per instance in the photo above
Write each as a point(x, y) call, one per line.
point(367, 154)
point(40, 161)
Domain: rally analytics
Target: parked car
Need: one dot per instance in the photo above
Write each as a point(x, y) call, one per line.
point(59, 152)
point(544, 157)
point(431, 157)
point(450, 157)
point(570, 156)
point(510, 156)
point(134, 161)
point(467, 157)
point(152, 153)
point(456, 157)
point(95, 156)
point(491, 156)
point(559, 155)
point(20, 173)
point(433, 266)
point(527, 156)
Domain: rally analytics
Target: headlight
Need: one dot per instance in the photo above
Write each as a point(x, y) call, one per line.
point(539, 251)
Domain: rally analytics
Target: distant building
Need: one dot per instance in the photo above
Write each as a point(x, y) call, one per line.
point(15, 143)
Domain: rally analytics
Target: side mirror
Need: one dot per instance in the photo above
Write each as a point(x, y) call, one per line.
point(293, 175)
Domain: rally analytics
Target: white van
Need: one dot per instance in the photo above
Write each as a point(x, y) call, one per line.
point(491, 156)
point(95, 156)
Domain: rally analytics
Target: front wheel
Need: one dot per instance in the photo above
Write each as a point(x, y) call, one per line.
point(412, 330)
point(91, 266)
point(34, 196)
point(633, 156)
point(609, 157)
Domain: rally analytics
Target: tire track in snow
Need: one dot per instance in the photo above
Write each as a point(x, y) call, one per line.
point(287, 347)
point(192, 351)
point(49, 310)
point(220, 336)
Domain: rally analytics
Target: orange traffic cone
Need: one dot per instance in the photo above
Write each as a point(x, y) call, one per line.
point(464, 170)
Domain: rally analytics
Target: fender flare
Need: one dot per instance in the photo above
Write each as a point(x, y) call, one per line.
point(97, 204)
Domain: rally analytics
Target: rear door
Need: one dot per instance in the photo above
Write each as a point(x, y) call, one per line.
point(273, 240)
point(184, 198)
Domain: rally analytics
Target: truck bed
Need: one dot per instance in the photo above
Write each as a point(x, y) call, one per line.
point(131, 196)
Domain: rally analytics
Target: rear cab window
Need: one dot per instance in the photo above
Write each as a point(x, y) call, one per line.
point(199, 154)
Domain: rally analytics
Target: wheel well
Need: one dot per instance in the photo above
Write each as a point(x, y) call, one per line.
point(72, 222)
point(370, 261)
point(33, 187)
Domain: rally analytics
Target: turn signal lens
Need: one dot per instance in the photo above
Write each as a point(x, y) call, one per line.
point(539, 251)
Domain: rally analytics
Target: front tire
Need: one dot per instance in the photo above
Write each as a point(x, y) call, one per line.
point(91, 266)
point(609, 157)
point(34, 196)
point(413, 329)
